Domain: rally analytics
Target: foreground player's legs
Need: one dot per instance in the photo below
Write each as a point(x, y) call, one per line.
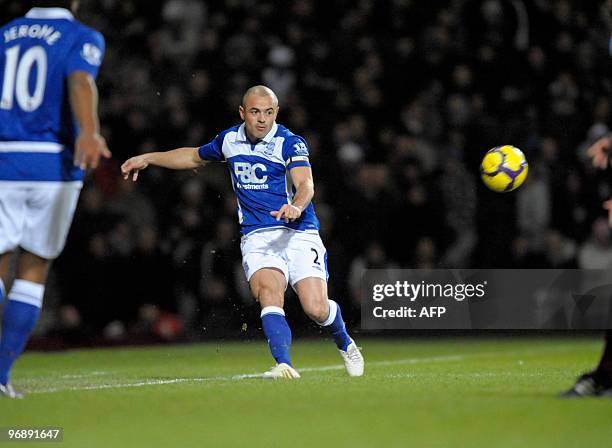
point(22, 310)
point(597, 383)
point(312, 292)
point(268, 287)
point(4, 268)
point(605, 364)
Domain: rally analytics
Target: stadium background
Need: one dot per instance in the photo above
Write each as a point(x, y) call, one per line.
point(398, 100)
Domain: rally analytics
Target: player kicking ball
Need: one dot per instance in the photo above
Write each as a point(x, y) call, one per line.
point(272, 178)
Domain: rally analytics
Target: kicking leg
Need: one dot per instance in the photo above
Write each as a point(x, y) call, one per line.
point(312, 292)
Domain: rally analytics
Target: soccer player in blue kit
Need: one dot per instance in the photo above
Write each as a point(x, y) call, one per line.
point(49, 134)
point(272, 180)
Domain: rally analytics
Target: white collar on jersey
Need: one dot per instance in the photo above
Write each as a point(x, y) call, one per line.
point(241, 135)
point(49, 13)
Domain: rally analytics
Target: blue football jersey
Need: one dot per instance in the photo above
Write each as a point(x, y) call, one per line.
point(260, 175)
point(37, 128)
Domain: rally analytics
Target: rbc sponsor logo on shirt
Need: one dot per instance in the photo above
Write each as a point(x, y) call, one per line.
point(251, 176)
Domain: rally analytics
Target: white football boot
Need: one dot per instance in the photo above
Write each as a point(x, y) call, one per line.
point(8, 391)
point(353, 359)
point(281, 371)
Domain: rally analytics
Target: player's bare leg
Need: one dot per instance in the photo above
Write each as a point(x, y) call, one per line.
point(268, 287)
point(32, 268)
point(21, 312)
point(5, 260)
point(312, 292)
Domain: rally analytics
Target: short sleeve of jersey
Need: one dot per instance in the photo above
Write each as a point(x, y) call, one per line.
point(295, 152)
point(86, 53)
point(212, 151)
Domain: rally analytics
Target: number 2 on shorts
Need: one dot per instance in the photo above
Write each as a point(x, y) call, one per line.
point(316, 260)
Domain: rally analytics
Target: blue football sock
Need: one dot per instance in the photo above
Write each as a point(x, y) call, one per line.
point(20, 316)
point(277, 331)
point(335, 324)
point(2, 291)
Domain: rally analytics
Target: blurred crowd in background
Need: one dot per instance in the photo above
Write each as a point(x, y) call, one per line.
point(398, 100)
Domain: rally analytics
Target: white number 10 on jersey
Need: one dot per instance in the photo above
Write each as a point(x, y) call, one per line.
point(16, 77)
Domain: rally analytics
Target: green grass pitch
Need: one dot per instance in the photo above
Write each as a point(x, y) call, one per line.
point(461, 392)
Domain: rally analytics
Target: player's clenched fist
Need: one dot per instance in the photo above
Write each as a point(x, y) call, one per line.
point(134, 165)
point(288, 211)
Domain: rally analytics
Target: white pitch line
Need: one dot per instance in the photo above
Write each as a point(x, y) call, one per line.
point(118, 386)
point(373, 363)
point(446, 358)
point(240, 376)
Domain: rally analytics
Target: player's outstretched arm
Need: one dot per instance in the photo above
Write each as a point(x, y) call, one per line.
point(301, 177)
point(599, 152)
point(90, 145)
point(177, 159)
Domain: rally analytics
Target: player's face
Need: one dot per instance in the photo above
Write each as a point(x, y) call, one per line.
point(259, 113)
